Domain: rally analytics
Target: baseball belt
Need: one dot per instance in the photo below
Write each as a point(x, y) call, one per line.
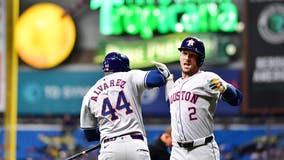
point(196, 143)
point(132, 135)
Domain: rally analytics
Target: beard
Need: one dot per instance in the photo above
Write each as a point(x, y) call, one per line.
point(189, 71)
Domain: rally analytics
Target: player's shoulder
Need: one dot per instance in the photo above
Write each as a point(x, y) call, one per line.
point(137, 72)
point(209, 74)
point(133, 71)
point(95, 85)
point(89, 92)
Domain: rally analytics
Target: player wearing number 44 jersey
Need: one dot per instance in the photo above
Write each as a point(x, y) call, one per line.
point(111, 109)
point(193, 99)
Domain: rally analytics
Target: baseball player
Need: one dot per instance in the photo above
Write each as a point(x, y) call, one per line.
point(111, 109)
point(193, 99)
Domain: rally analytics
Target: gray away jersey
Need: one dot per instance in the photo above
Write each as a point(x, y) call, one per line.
point(114, 103)
point(192, 107)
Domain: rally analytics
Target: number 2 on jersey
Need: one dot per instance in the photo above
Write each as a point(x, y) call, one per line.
point(108, 109)
point(192, 112)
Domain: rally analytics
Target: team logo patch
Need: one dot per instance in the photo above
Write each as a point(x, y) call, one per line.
point(190, 42)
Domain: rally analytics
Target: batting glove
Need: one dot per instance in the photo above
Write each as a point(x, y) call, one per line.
point(216, 85)
point(163, 69)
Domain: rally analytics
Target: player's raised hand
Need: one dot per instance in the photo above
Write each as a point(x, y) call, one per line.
point(162, 69)
point(216, 85)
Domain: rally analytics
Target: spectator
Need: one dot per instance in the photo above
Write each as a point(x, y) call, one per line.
point(160, 148)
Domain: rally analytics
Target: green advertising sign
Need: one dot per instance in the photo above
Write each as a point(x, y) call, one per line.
point(145, 17)
point(162, 49)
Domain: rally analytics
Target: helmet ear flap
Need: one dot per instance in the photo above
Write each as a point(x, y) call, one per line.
point(195, 45)
point(116, 62)
point(200, 60)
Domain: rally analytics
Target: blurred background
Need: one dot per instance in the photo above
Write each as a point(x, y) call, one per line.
point(51, 53)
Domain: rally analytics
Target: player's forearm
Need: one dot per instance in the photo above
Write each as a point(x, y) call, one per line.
point(92, 134)
point(232, 95)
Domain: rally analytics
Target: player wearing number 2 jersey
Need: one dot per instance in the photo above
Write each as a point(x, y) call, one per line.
point(112, 108)
point(193, 99)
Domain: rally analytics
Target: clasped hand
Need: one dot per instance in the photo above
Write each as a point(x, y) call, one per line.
point(163, 69)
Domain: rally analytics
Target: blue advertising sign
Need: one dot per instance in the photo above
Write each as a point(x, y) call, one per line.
point(59, 92)
point(53, 92)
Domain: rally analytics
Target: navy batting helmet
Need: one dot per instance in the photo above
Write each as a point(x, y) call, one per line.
point(116, 62)
point(196, 45)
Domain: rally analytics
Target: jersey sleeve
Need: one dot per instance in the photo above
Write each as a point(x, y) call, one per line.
point(232, 95)
point(149, 79)
point(154, 79)
point(207, 77)
point(87, 119)
point(88, 123)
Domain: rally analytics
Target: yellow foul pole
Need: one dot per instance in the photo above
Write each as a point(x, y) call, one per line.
point(10, 115)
